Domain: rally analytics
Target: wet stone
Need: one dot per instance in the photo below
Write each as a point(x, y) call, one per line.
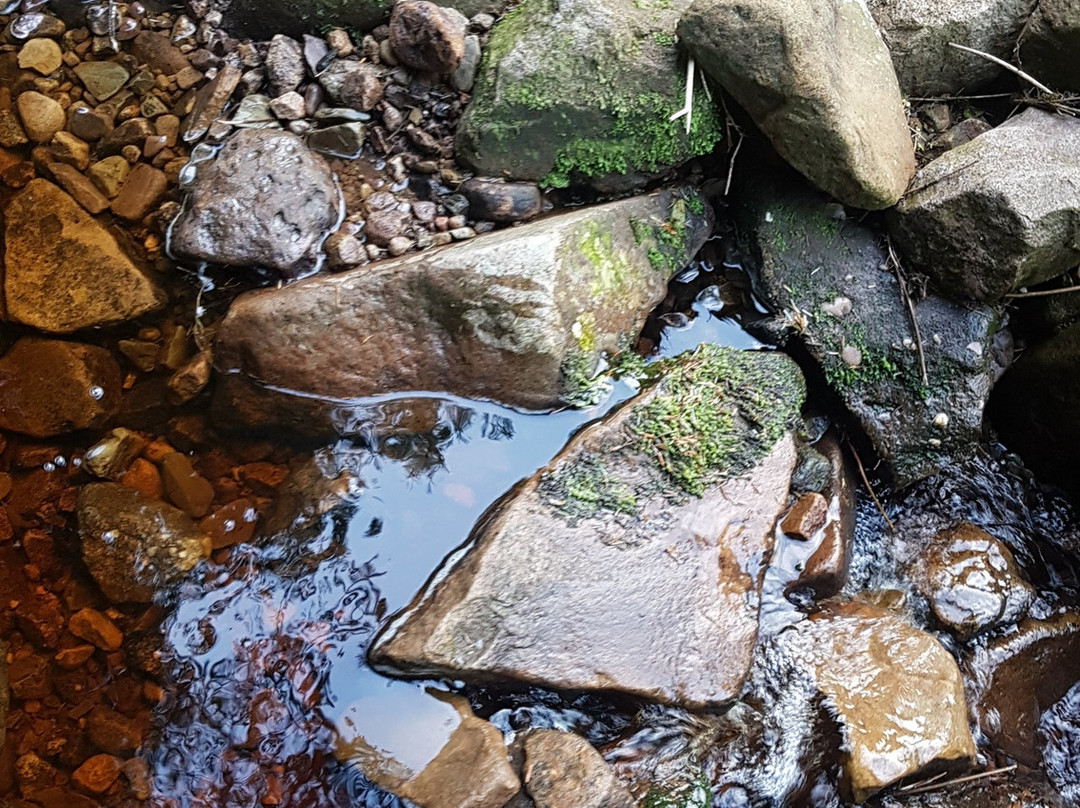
point(96, 628)
point(502, 201)
point(130, 133)
point(143, 188)
point(184, 487)
point(35, 24)
point(231, 524)
point(42, 55)
point(807, 516)
point(34, 774)
point(11, 131)
point(191, 379)
point(70, 659)
point(70, 150)
point(102, 79)
point(134, 545)
point(972, 581)
point(464, 75)
point(79, 187)
point(97, 774)
point(41, 619)
point(289, 106)
point(28, 677)
point(563, 770)
point(112, 732)
point(210, 101)
point(155, 50)
point(41, 116)
point(48, 387)
point(87, 125)
point(284, 64)
point(109, 174)
point(428, 37)
point(344, 140)
point(383, 225)
point(144, 477)
point(352, 84)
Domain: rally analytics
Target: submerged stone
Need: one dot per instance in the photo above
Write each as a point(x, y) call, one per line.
point(133, 545)
point(582, 90)
point(563, 770)
point(63, 270)
point(896, 693)
point(633, 561)
point(521, 316)
point(817, 80)
point(829, 284)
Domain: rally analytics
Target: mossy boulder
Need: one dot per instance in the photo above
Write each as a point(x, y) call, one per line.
point(262, 20)
point(632, 562)
point(831, 287)
point(523, 316)
point(582, 90)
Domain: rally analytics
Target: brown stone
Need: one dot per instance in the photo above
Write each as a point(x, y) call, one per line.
point(184, 487)
point(142, 190)
point(42, 55)
point(70, 659)
point(144, 477)
point(112, 732)
point(96, 628)
point(210, 101)
point(41, 116)
point(191, 379)
point(563, 770)
point(40, 550)
point(428, 37)
point(41, 618)
point(807, 516)
point(34, 774)
point(262, 478)
point(67, 148)
point(97, 774)
point(130, 133)
point(79, 187)
point(156, 51)
point(11, 131)
point(231, 524)
point(28, 677)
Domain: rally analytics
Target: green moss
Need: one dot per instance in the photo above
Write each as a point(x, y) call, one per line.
point(640, 230)
point(612, 267)
point(582, 385)
point(717, 413)
point(585, 487)
point(663, 38)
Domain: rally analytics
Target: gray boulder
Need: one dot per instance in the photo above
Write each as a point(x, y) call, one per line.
point(633, 561)
point(266, 200)
point(817, 80)
point(828, 281)
point(135, 546)
point(583, 90)
point(999, 212)
point(63, 270)
point(918, 33)
point(521, 316)
point(1050, 44)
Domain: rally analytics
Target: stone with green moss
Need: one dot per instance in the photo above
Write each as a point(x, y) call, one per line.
point(832, 288)
point(633, 561)
point(583, 90)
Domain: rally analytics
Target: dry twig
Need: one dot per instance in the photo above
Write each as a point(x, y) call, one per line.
point(1038, 85)
point(870, 488)
point(900, 279)
point(933, 785)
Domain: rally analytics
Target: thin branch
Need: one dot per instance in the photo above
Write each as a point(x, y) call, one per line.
point(929, 785)
point(1034, 82)
point(731, 163)
point(1044, 292)
point(900, 279)
point(870, 488)
point(688, 103)
point(960, 97)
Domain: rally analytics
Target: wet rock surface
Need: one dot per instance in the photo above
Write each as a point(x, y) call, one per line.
point(63, 271)
point(566, 559)
point(562, 770)
point(279, 227)
point(526, 312)
point(997, 213)
point(819, 84)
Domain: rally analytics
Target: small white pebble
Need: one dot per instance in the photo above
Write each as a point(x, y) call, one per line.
point(941, 420)
point(851, 355)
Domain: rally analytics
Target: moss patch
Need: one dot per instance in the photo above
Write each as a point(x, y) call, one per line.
point(582, 488)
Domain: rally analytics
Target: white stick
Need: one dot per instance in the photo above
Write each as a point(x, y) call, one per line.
point(1006, 65)
point(688, 103)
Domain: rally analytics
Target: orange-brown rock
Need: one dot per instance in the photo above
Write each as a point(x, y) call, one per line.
point(806, 517)
point(97, 774)
point(96, 628)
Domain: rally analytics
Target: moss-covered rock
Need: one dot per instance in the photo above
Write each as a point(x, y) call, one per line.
point(581, 90)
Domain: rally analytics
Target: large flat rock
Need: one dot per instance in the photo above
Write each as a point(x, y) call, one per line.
point(633, 561)
point(521, 316)
point(63, 270)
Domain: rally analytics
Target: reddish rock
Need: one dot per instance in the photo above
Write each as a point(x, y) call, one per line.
point(563, 770)
point(96, 628)
point(231, 524)
point(156, 51)
point(140, 193)
point(807, 517)
point(187, 490)
point(144, 477)
point(71, 659)
point(40, 549)
point(262, 478)
point(97, 774)
point(41, 619)
point(82, 190)
point(112, 732)
point(428, 37)
point(28, 677)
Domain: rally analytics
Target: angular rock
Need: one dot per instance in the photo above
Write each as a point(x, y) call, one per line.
point(102, 79)
point(134, 546)
point(999, 212)
point(583, 91)
point(427, 37)
point(895, 692)
point(1050, 44)
point(63, 270)
point(806, 517)
point(185, 488)
point(464, 75)
point(11, 131)
point(96, 628)
point(109, 174)
point(918, 33)
point(143, 188)
point(156, 51)
point(110, 457)
point(1022, 675)
point(81, 189)
point(354, 84)
point(69, 149)
point(284, 64)
point(503, 201)
point(130, 133)
point(210, 101)
point(817, 80)
point(280, 227)
point(607, 571)
point(827, 282)
point(563, 770)
point(96, 774)
point(461, 762)
point(42, 55)
point(344, 140)
point(49, 387)
point(41, 116)
point(520, 316)
point(972, 581)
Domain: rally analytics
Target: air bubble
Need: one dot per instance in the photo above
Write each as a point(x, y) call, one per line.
point(109, 536)
point(60, 461)
point(49, 466)
point(96, 392)
point(229, 524)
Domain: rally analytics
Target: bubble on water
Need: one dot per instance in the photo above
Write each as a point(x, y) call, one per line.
point(109, 536)
point(96, 392)
point(229, 524)
point(76, 462)
point(49, 466)
point(60, 461)
point(710, 298)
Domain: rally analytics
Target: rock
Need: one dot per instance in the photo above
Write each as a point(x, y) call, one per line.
point(41, 116)
point(593, 573)
point(460, 763)
point(52, 388)
point(806, 517)
point(284, 64)
point(134, 546)
point(562, 770)
point(895, 692)
point(918, 33)
point(35, 24)
point(112, 732)
point(5, 693)
point(210, 102)
point(817, 80)
point(279, 228)
point(11, 131)
point(828, 283)
point(185, 488)
point(1019, 677)
point(63, 271)
point(156, 51)
point(583, 91)
point(42, 55)
point(143, 188)
point(109, 174)
point(1050, 42)
point(102, 79)
point(130, 133)
point(81, 189)
point(354, 84)
point(427, 37)
point(289, 106)
point(383, 225)
point(96, 774)
point(520, 316)
point(96, 628)
point(998, 213)
point(86, 124)
point(69, 149)
point(344, 140)
point(464, 74)
point(191, 379)
point(972, 581)
point(502, 201)
point(110, 457)
point(29, 678)
point(231, 524)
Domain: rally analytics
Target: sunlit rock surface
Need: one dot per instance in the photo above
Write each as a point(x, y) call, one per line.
point(520, 317)
point(897, 694)
point(63, 270)
point(633, 561)
point(562, 770)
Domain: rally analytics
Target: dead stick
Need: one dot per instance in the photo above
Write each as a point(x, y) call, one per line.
point(911, 309)
point(870, 488)
point(959, 780)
